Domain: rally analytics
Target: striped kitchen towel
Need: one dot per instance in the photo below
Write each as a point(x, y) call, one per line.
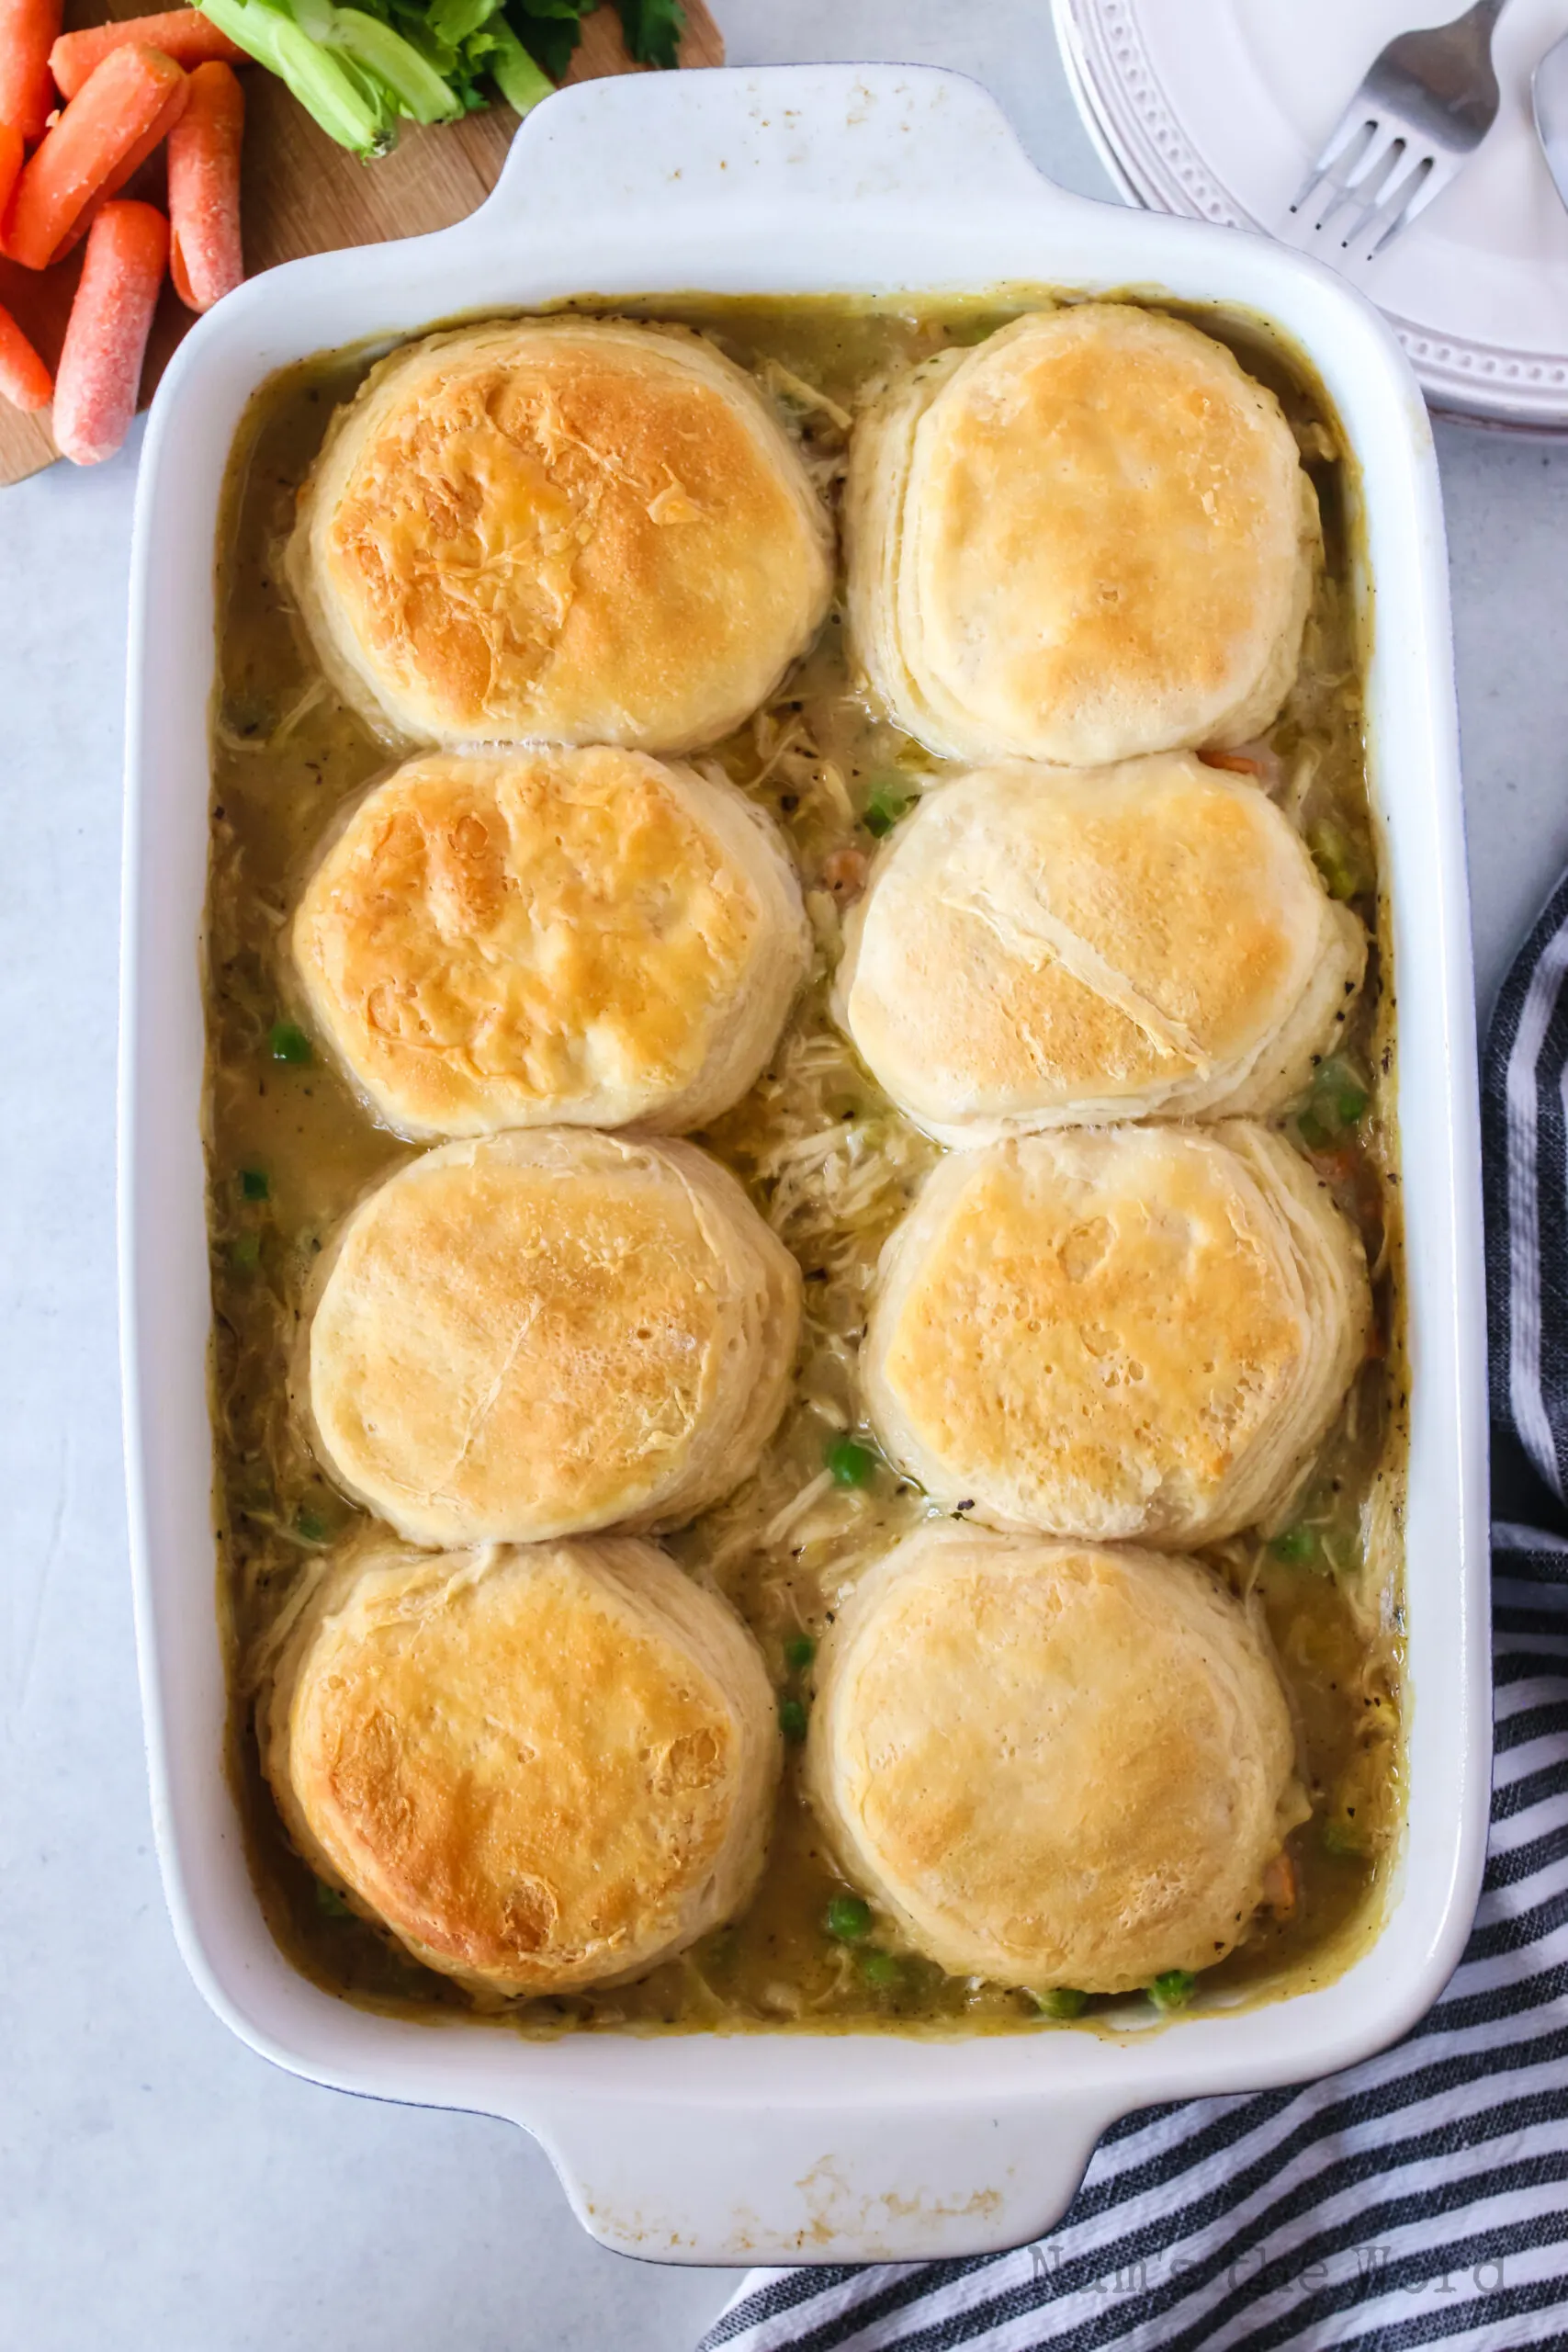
point(1421, 2197)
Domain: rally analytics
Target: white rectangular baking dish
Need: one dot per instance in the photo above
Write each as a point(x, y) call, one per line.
point(791, 2146)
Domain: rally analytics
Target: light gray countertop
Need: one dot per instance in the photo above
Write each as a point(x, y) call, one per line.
point(158, 2183)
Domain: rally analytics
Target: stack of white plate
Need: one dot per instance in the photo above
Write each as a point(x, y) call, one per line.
point(1216, 108)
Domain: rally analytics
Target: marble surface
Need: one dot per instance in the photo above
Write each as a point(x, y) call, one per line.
point(158, 2183)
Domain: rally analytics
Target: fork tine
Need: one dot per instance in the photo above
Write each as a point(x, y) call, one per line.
point(1365, 192)
point(1412, 194)
point(1424, 177)
point(1371, 191)
point(1356, 181)
point(1358, 126)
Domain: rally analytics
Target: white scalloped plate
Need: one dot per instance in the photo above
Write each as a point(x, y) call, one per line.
point(1215, 107)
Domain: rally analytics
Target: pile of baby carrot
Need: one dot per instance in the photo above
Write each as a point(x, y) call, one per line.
point(79, 114)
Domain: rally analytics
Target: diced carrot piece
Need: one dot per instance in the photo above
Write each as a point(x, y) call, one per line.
point(25, 381)
point(845, 873)
point(1237, 762)
point(204, 259)
point(130, 102)
point(1280, 1885)
point(184, 34)
point(106, 336)
point(29, 29)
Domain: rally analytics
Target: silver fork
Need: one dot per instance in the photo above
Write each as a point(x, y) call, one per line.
point(1427, 103)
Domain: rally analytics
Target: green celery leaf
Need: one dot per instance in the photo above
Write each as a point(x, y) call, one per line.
point(453, 21)
point(469, 85)
point(653, 29)
point(549, 38)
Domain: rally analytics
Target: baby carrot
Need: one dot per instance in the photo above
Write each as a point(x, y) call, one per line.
point(106, 335)
point(25, 381)
point(125, 107)
point(184, 34)
point(205, 261)
point(27, 29)
point(11, 153)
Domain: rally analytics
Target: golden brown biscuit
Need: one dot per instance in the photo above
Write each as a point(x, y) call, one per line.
point(576, 530)
point(1087, 537)
point(542, 1767)
point(1137, 1333)
point(549, 1331)
point(1053, 1765)
point(1046, 947)
point(544, 936)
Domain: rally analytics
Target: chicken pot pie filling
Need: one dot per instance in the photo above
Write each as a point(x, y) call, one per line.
point(793, 1486)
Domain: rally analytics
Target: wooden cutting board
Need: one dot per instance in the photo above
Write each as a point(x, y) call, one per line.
point(305, 195)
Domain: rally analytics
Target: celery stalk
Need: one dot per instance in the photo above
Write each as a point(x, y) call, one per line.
point(330, 91)
point(521, 83)
point(418, 88)
point(360, 68)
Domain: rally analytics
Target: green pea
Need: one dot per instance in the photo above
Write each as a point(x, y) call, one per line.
point(244, 1252)
point(1062, 2001)
point(253, 1184)
point(848, 1919)
point(879, 1968)
point(310, 1525)
point(286, 1041)
point(1172, 1989)
point(1313, 1132)
point(792, 1720)
point(1338, 860)
point(329, 1903)
point(885, 805)
point(851, 1464)
point(1295, 1544)
point(1338, 1098)
point(799, 1651)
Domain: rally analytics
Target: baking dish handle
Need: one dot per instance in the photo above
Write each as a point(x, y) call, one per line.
point(782, 2185)
point(840, 136)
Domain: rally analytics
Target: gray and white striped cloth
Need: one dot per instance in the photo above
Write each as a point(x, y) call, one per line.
point(1421, 2197)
